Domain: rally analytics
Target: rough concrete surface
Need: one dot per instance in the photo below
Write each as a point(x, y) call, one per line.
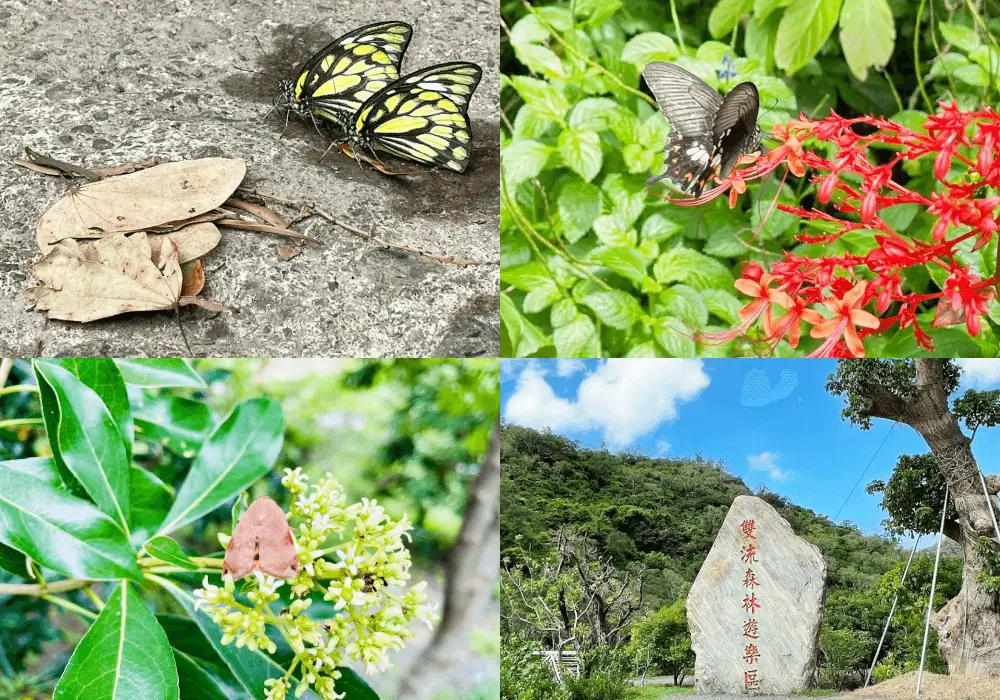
point(100, 82)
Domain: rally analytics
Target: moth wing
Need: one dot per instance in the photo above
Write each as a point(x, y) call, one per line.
point(277, 548)
point(239, 561)
point(688, 102)
point(734, 123)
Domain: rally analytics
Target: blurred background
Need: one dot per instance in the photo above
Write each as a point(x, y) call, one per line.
point(412, 434)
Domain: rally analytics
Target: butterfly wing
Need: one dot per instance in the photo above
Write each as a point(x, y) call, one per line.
point(735, 127)
point(338, 79)
point(423, 116)
point(262, 540)
point(687, 101)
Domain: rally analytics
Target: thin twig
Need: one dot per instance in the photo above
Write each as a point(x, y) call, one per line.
point(187, 346)
point(62, 602)
point(37, 589)
point(94, 598)
point(307, 209)
point(266, 228)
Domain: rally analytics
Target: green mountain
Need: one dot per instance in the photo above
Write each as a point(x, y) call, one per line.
point(664, 513)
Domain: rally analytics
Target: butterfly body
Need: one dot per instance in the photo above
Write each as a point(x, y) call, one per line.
point(341, 76)
point(710, 132)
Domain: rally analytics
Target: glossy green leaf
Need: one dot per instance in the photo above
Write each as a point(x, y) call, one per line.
point(354, 686)
point(150, 501)
point(13, 561)
point(649, 46)
point(41, 468)
point(240, 451)
point(90, 443)
point(102, 375)
point(198, 682)
point(63, 532)
point(50, 414)
point(804, 27)
point(159, 372)
point(250, 668)
point(166, 549)
point(177, 423)
point(867, 34)
point(124, 656)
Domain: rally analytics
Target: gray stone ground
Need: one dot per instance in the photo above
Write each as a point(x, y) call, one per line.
point(103, 82)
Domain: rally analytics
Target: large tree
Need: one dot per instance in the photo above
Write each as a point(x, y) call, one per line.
point(916, 393)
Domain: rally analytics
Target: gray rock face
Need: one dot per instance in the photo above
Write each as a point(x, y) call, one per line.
point(754, 609)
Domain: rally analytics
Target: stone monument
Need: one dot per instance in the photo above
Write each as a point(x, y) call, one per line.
point(754, 609)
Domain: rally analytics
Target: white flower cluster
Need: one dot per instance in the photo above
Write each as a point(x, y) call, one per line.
point(370, 619)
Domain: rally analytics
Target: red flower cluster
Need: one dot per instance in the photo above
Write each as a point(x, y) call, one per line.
point(848, 297)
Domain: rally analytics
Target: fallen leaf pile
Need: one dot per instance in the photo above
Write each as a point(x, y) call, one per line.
point(133, 241)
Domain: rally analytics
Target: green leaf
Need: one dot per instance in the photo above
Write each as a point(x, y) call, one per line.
point(578, 338)
point(41, 468)
point(654, 132)
point(525, 337)
point(722, 304)
point(563, 313)
point(240, 451)
point(150, 502)
point(627, 262)
point(160, 372)
point(686, 265)
point(686, 303)
point(198, 682)
point(166, 549)
point(649, 46)
point(972, 74)
point(523, 160)
point(758, 43)
point(14, 561)
point(674, 337)
point(123, 656)
point(659, 228)
point(539, 59)
point(102, 375)
point(609, 231)
point(527, 276)
point(250, 668)
point(943, 66)
point(614, 308)
point(541, 297)
point(530, 125)
point(543, 97)
point(90, 443)
point(804, 28)
point(644, 350)
point(964, 38)
point(581, 150)
point(594, 114)
point(762, 8)
point(578, 204)
point(203, 673)
point(177, 423)
point(64, 533)
point(867, 35)
point(726, 14)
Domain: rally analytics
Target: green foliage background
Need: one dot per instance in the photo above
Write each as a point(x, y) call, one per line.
point(663, 514)
point(592, 265)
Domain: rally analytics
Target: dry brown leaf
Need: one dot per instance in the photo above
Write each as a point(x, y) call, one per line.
point(259, 211)
point(203, 303)
point(114, 275)
point(287, 252)
point(192, 241)
point(193, 278)
point(172, 226)
point(140, 200)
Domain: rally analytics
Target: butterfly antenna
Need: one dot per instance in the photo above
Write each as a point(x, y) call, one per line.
point(257, 72)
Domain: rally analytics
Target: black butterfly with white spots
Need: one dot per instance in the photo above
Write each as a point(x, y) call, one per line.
point(710, 132)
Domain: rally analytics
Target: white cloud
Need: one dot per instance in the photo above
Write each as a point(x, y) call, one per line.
point(767, 462)
point(624, 399)
point(981, 373)
point(662, 448)
point(567, 368)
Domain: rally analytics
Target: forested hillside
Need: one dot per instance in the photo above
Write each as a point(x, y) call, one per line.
point(658, 517)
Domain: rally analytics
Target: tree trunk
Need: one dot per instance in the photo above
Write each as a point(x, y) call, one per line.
point(473, 567)
point(969, 625)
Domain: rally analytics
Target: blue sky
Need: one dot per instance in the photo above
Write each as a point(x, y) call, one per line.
point(770, 421)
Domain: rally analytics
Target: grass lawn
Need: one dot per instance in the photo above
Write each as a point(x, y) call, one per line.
point(655, 692)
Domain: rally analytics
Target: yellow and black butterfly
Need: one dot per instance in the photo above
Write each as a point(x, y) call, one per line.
point(335, 82)
point(421, 117)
